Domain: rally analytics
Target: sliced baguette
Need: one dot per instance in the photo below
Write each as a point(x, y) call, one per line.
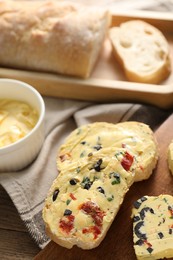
point(142, 50)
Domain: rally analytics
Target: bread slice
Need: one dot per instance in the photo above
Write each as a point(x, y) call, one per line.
point(152, 227)
point(97, 165)
point(125, 140)
point(52, 36)
point(142, 50)
point(84, 200)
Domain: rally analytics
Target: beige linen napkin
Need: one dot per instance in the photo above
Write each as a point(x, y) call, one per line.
point(28, 188)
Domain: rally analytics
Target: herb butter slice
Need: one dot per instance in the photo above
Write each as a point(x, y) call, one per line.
point(84, 200)
point(97, 165)
point(133, 139)
point(153, 227)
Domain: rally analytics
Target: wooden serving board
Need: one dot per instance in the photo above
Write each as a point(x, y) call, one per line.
point(107, 82)
point(118, 243)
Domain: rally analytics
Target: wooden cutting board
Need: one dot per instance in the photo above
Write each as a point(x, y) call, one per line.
point(118, 243)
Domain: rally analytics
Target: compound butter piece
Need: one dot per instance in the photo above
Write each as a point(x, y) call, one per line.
point(17, 119)
point(153, 227)
point(132, 139)
point(84, 200)
point(97, 165)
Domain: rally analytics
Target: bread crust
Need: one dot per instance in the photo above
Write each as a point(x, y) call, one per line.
point(52, 36)
point(170, 157)
point(142, 51)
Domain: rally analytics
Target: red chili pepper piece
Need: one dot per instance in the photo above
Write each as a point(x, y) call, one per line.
point(72, 196)
point(67, 223)
point(94, 229)
point(141, 167)
point(97, 215)
point(147, 243)
point(127, 161)
point(94, 211)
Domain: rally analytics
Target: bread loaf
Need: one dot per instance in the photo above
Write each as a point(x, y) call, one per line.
point(52, 36)
point(97, 165)
point(142, 50)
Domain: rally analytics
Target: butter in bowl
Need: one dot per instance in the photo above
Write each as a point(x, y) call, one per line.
point(22, 112)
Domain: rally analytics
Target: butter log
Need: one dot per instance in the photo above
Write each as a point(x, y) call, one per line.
point(153, 227)
point(53, 36)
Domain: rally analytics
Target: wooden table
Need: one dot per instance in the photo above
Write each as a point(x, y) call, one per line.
point(15, 241)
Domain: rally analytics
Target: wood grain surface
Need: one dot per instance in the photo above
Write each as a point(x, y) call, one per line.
point(15, 241)
point(118, 243)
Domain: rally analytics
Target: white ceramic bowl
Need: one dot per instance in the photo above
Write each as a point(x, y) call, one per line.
point(21, 153)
